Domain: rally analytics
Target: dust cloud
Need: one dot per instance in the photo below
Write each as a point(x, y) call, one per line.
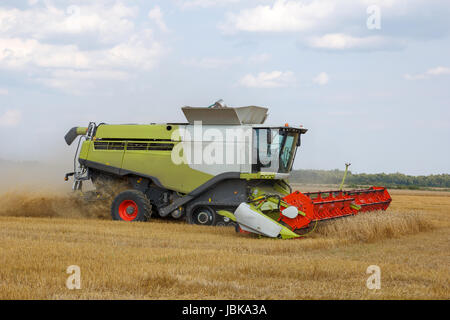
point(33, 189)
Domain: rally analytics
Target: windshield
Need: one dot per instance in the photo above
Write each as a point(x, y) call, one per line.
point(274, 150)
point(288, 143)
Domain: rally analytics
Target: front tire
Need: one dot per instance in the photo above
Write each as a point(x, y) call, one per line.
point(131, 205)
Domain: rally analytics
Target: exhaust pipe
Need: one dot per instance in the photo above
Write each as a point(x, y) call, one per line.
point(73, 133)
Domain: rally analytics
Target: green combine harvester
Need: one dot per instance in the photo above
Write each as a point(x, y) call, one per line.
point(222, 167)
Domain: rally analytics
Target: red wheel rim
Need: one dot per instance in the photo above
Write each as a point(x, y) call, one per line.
point(128, 210)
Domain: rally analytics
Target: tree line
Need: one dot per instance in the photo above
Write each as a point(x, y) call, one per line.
point(393, 180)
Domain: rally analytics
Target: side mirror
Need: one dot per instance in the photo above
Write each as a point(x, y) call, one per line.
point(290, 212)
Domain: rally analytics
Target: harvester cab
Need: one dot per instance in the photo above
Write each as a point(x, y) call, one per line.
point(224, 166)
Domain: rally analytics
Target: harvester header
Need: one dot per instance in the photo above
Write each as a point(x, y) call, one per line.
point(223, 167)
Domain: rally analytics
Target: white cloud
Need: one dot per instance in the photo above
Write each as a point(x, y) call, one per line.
point(205, 3)
point(16, 53)
point(29, 43)
point(282, 16)
point(141, 51)
point(272, 79)
point(138, 52)
point(438, 71)
point(3, 92)
point(341, 25)
point(108, 24)
point(10, 118)
point(310, 20)
point(327, 15)
point(70, 69)
point(340, 41)
point(157, 16)
point(322, 78)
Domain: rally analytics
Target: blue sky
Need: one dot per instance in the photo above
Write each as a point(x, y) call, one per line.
point(376, 97)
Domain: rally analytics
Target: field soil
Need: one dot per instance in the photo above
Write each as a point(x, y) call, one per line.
point(43, 233)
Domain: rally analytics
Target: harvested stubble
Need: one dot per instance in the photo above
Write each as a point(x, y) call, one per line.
point(163, 260)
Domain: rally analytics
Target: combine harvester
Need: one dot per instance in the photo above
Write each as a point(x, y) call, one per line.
point(222, 167)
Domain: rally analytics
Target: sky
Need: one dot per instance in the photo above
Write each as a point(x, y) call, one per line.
point(370, 79)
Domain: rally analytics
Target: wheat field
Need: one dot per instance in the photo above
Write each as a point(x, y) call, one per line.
point(43, 233)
